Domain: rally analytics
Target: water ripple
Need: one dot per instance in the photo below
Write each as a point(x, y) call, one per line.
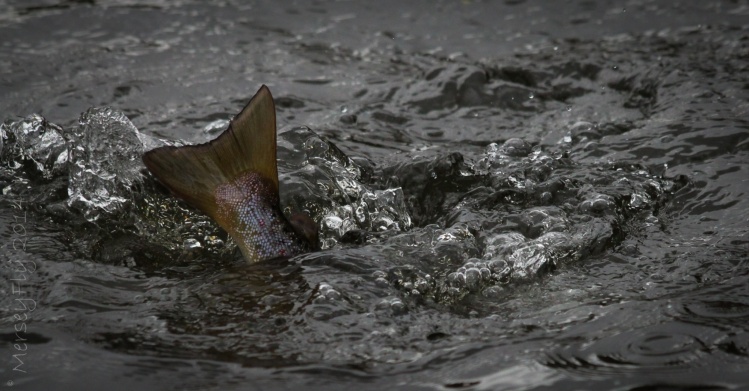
point(669, 347)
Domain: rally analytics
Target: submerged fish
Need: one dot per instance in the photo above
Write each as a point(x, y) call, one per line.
point(234, 180)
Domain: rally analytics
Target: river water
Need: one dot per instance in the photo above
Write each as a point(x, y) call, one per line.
point(512, 195)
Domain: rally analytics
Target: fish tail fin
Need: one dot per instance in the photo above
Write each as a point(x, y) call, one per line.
point(193, 172)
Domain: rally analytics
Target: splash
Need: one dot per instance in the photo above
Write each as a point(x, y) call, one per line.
point(34, 143)
point(97, 166)
point(105, 150)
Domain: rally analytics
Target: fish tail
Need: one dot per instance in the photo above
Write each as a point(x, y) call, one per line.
point(234, 180)
point(194, 172)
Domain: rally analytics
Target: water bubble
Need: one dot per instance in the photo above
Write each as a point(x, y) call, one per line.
point(191, 244)
point(454, 292)
point(651, 220)
point(472, 278)
point(597, 205)
point(381, 282)
point(638, 200)
point(332, 294)
point(446, 237)
point(382, 305)
point(516, 147)
point(326, 291)
point(492, 292)
point(456, 279)
point(498, 265)
point(332, 223)
point(492, 149)
point(397, 307)
point(502, 244)
point(546, 197)
point(213, 241)
point(421, 285)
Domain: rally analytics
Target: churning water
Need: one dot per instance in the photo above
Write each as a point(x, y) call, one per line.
point(519, 195)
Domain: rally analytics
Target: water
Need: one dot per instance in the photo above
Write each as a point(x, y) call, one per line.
point(511, 195)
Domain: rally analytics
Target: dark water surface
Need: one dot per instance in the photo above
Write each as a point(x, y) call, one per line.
point(512, 195)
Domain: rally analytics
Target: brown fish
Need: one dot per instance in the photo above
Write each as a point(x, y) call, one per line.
point(234, 180)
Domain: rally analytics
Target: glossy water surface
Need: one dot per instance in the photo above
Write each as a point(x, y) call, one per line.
point(512, 195)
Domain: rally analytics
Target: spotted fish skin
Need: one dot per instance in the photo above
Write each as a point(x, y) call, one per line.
point(234, 180)
point(251, 203)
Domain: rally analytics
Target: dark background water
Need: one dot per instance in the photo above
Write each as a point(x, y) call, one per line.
point(635, 100)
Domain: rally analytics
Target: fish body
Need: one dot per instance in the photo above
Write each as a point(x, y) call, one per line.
point(234, 180)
